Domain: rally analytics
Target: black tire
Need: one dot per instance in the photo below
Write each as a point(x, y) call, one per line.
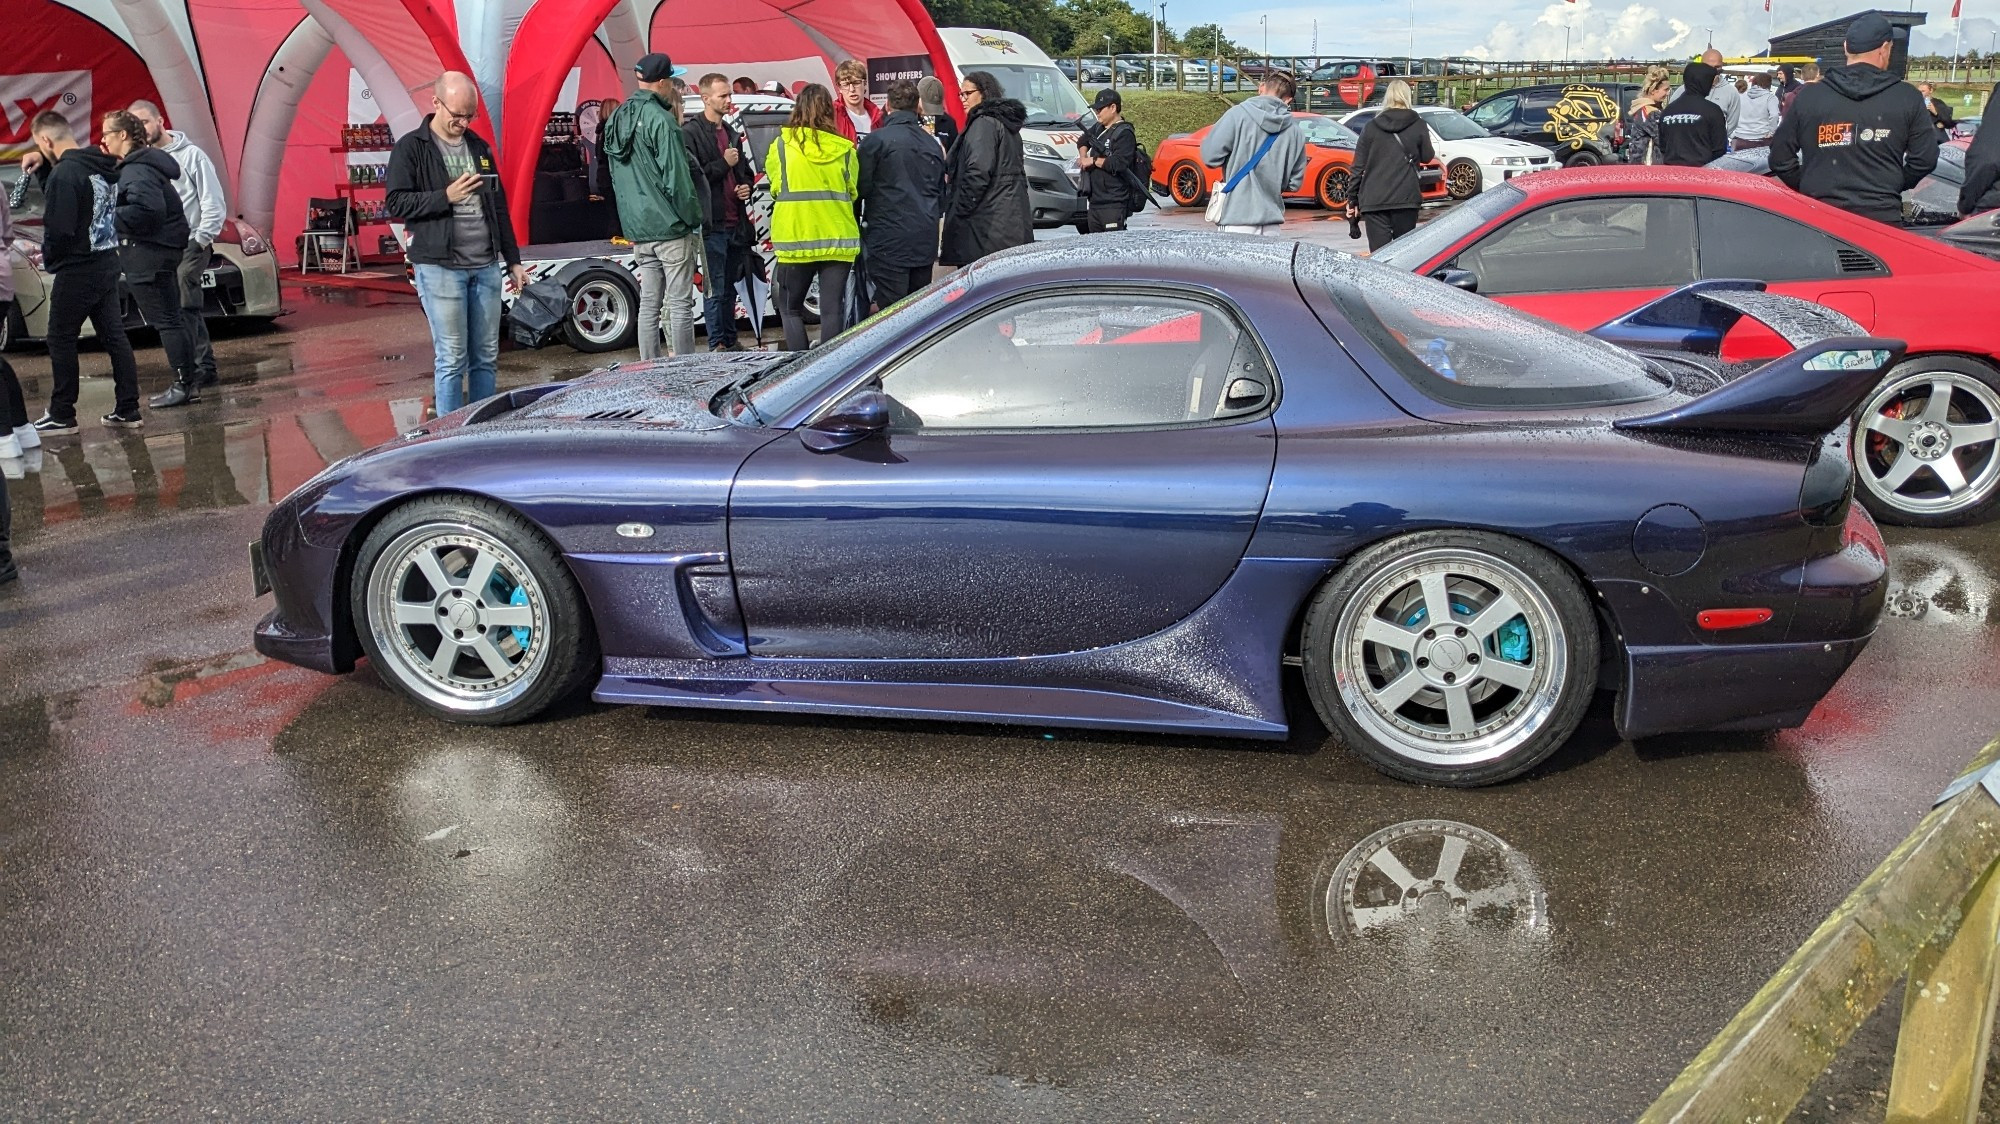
point(1422, 721)
point(557, 654)
point(1927, 497)
point(1187, 184)
point(607, 301)
point(1583, 158)
point(13, 328)
point(1333, 186)
point(1463, 180)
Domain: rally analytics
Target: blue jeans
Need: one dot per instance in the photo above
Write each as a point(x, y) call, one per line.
point(718, 307)
point(463, 307)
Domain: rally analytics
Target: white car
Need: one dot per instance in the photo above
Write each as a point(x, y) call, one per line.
point(1473, 158)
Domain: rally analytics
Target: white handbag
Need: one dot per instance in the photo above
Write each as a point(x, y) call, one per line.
point(1213, 213)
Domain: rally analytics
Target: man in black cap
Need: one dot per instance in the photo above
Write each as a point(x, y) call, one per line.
point(1693, 128)
point(1106, 153)
point(659, 205)
point(1859, 137)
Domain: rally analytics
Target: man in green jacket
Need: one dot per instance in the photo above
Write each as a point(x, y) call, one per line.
point(658, 207)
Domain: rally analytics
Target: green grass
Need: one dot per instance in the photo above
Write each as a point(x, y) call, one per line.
point(1157, 114)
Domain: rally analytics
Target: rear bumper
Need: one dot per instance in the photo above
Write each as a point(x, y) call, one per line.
point(1735, 687)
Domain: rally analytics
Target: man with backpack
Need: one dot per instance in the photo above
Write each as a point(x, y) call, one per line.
point(1109, 156)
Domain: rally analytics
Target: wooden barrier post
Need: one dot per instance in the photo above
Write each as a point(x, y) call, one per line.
point(1947, 1026)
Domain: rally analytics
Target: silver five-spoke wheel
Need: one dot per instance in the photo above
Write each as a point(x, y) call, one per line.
point(457, 616)
point(1927, 449)
point(601, 311)
point(1452, 657)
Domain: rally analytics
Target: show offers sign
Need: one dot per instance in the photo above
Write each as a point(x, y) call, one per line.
point(24, 96)
point(890, 68)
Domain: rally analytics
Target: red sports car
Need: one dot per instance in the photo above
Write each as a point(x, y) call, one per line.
point(1179, 172)
point(1582, 246)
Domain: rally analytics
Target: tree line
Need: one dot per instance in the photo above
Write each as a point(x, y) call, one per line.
point(1078, 27)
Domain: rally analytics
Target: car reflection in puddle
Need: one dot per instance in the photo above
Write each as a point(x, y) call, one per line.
point(1938, 584)
point(1423, 878)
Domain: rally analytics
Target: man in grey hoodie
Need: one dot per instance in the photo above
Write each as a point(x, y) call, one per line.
point(205, 205)
point(1257, 206)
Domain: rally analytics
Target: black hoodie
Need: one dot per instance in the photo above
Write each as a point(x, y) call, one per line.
point(986, 205)
point(149, 209)
point(1386, 159)
point(79, 206)
point(1857, 138)
point(1693, 130)
point(1982, 169)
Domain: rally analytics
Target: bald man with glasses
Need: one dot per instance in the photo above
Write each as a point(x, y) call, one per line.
point(444, 185)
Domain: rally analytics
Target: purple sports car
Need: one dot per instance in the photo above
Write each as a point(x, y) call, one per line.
point(1124, 481)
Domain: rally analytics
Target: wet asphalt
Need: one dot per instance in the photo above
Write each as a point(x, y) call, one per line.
point(239, 889)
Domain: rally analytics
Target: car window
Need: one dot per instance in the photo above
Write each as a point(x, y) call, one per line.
point(1327, 131)
point(1081, 361)
point(1360, 121)
point(1465, 350)
point(1414, 249)
point(1951, 165)
point(1623, 242)
point(1495, 113)
point(1451, 125)
point(1535, 106)
point(1744, 241)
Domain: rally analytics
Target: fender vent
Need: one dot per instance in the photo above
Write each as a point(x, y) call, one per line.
point(1856, 261)
point(616, 415)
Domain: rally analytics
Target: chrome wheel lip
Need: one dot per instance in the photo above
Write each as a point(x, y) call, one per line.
point(601, 311)
point(1500, 733)
point(409, 663)
point(1972, 491)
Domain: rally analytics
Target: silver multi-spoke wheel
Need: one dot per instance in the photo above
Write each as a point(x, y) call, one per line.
point(458, 616)
point(1451, 657)
point(1928, 445)
point(602, 311)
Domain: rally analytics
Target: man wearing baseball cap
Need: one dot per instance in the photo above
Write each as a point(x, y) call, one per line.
point(1859, 137)
point(1106, 153)
point(659, 209)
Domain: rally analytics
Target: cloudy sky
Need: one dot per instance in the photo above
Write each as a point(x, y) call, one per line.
point(1534, 29)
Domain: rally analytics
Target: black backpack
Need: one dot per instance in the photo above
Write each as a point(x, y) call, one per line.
point(1138, 177)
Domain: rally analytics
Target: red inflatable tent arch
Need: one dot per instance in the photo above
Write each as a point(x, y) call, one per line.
point(552, 36)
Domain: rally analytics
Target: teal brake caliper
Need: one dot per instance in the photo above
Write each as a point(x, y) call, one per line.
point(498, 590)
point(1512, 641)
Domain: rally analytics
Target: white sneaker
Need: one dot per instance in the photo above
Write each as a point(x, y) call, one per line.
point(10, 447)
point(27, 436)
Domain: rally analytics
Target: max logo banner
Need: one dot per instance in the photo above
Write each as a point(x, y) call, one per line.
point(23, 96)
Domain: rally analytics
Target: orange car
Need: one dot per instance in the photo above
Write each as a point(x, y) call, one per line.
point(1179, 173)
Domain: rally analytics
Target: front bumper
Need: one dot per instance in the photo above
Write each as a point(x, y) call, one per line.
point(1052, 198)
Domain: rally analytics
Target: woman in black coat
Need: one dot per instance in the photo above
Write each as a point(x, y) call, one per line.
point(153, 234)
point(1981, 190)
point(987, 207)
point(1385, 190)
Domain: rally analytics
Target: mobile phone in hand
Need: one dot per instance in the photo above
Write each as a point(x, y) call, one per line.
point(489, 181)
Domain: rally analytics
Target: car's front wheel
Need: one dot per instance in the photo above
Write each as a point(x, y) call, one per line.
point(1462, 180)
point(1454, 658)
point(1927, 449)
point(1583, 158)
point(1332, 190)
point(1187, 183)
point(467, 607)
point(603, 312)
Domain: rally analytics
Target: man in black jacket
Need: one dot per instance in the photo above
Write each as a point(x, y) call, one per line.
point(1107, 152)
point(80, 246)
point(1693, 129)
point(902, 198)
point(152, 236)
point(715, 149)
point(1859, 137)
point(445, 186)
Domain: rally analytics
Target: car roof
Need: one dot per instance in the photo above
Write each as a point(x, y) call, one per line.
point(1201, 257)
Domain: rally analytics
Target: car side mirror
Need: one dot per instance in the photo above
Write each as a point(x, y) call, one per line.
point(1458, 278)
point(860, 417)
point(1243, 394)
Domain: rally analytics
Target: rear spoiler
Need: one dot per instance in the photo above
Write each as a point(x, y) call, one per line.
point(1696, 317)
point(1810, 392)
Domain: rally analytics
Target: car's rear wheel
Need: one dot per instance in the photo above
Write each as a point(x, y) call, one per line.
point(13, 329)
point(1332, 189)
point(1927, 447)
point(1187, 183)
point(1454, 658)
point(1582, 158)
point(603, 312)
point(1462, 179)
point(466, 607)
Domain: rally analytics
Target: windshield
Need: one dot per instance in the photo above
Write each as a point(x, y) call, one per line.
point(1050, 98)
point(1412, 250)
point(1454, 126)
point(781, 389)
point(1466, 350)
point(1327, 131)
